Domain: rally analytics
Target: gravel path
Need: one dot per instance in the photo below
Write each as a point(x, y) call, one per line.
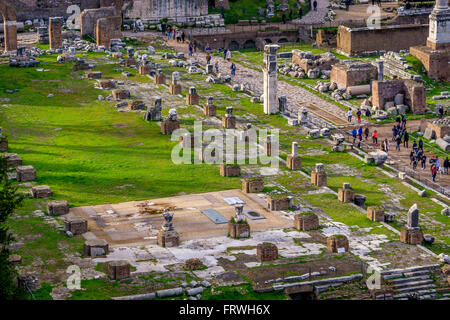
point(315, 16)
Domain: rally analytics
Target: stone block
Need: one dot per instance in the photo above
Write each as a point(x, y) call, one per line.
point(346, 195)
point(228, 170)
point(229, 122)
point(144, 70)
point(159, 78)
point(319, 179)
point(375, 213)
point(25, 173)
point(76, 225)
point(136, 105)
point(175, 88)
point(14, 259)
point(13, 160)
point(337, 243)
point(91, 75)
point(119, 269)
point(168, 126)
point(3, 144)
point(209, 110)
point(168, 239)
point(57, 207)
point(266, 252)
point(42, 192)
point(411, 236)
point(55, 32)
point(95, 247)
point(192, 99)
point(306, 221)
point(108, 28)
point(237, 230)
point(278, 203)
point(252, 185)
point(106, 84)
point(120, 94)
point(294, 162)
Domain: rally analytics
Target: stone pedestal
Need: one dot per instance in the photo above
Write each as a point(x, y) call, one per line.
point(25, 173)
point(375, 213)
point(154, 113)
point(229, 122)
point(209, 110)
point(277, 204)
point(228, 170)
point(76, 225)
point(252, 185)
point(144, 70)
point(237, 230)
point(319, 179)
point(337, 243)
point(168, 239)
point(136, 105)
point(168, 126)
point(42, 192)
point(306, 221)
point(3, 144)
point(159, 78)
point(266, 252)
point(120, 269)
point(294, 162)
point(175, 88)
point(192, 97)
point(13, 160)
point(57, 207)
point(346, 194)
point(55, 32)
point(95, 248)
point(411, 236)
point(129, 62)
point(120, 94)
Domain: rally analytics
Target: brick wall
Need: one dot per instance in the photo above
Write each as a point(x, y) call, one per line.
point(391, 38)
point(435, 62)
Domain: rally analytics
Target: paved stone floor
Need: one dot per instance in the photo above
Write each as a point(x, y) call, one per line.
point(316, 16)
point(122, 223)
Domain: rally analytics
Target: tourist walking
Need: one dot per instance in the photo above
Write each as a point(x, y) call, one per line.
point(354, 133)
point(375, 137)
point(217, 67)
point(183, 36)
point(367, 114)
point(441, 111)
point(315, 5)
point(405, 139)
point(398, 142)
point(300, 12)
point(433, 172)
point(420, 144)
point(360, 132)
point(191, 49)
point(366, 133)
point(386, 145)
point(349, 115)
point(229, 55)
point(424, 161)
point(225, 54)
point(233, 69)
point(358, 115)
point(394, 132)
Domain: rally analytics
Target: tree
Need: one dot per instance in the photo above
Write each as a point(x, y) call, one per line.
point(10, 199)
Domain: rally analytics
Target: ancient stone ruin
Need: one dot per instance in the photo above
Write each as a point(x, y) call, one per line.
point(171, 124)
point(229, 120)
point(306, 221)
point(293, 161)
point(167, 236)
point(412, 233)
point(346, 193)
point(319, 176)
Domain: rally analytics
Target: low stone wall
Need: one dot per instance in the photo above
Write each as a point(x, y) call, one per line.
point(347, 75)
point(436, 62)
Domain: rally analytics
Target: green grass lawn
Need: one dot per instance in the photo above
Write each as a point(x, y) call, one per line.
point(87, 151)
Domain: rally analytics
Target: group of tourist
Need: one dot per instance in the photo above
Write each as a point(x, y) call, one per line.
point(359, 113)
point(173, 33)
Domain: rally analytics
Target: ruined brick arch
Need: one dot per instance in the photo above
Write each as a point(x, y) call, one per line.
point(8, 12)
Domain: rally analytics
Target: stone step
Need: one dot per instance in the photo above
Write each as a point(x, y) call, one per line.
point(420, 292)
point(393, 276)
point(418, 278)
point(413, 289)
point(446, 298)
point(416, 273)
point(412, 269)
point(412, 284)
